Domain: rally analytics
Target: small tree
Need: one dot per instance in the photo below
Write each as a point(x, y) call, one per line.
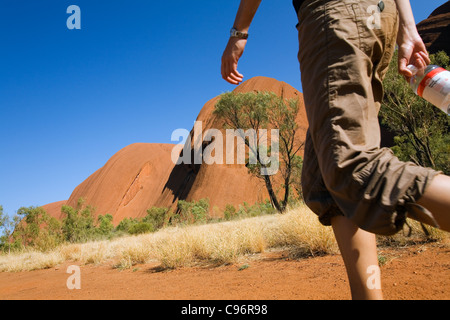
point(126, 224)
point(78, 225)
point(37, 228)
point(157, 216)
point(105, 226)
point(264, 110)
point(191, 212)
point(229, 212)
point(7, 226)
point(4, 220)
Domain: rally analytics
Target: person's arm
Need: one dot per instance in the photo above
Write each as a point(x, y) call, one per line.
point(235, 47)
point(411, 49)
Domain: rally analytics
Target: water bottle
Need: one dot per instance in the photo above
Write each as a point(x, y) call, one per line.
point(432, 84)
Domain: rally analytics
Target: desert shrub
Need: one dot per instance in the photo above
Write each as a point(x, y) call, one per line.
point(246, 211)
point(191, 212)
point(105, 226)
point(157, 216)
point(126, 224)
point(155, 219)
point(78, 225)
point(37, 229)
point(7, 226)
point(229, 212)
point(141, 227)
point(200, 210)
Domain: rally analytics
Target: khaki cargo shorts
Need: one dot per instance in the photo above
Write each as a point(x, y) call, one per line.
point(344, 54)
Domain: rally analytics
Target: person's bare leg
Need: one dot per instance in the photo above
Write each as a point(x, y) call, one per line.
point(359, 252)
point(436, 199)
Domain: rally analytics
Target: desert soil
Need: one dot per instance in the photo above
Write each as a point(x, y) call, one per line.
point(420, 272)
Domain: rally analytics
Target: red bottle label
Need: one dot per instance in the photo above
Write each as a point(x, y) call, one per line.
point(426, 80)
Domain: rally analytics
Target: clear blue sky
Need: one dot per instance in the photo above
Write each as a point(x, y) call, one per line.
point(136, 71)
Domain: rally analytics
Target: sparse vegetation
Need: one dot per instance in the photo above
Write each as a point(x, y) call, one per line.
point(246, 211)
point(297, 231)
point(35, 229)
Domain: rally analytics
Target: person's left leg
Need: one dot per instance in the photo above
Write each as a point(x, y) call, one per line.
point(359, 252)
point(436, 199)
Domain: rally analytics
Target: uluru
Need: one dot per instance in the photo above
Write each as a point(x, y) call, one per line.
point(143, 175)
point(435, 30)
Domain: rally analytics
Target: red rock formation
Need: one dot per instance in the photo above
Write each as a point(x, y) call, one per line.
point(435, 30)
point(129, 183)
point(143, 175)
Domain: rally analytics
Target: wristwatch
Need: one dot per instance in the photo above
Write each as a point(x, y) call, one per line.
point(238, 34)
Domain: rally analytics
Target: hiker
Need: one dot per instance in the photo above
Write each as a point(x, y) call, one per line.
point(350, 182)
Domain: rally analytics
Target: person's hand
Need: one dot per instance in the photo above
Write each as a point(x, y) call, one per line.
point(411, 50)
point(231, 55)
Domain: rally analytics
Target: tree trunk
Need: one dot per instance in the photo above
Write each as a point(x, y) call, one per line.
point(272, 195)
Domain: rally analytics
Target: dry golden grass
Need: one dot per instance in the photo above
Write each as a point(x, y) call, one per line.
point(298, 230)
point(29, 260)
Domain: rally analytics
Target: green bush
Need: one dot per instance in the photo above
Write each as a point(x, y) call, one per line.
point(141, 227)
point(191, 212)
point(105, 226)
point(158, 217)
point(200, 210)
point(78, 225)
point(255, 210)
point(246, 211)
point(126, 224)
point(229, 212)
point(37, 229)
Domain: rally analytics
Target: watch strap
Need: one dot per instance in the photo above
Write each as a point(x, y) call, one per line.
point(234, 33)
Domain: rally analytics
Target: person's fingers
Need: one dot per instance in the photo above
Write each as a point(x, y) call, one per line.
point(411, 55)
point(233, 79)
point(402, 67)
point(235, 75)
point(238, 74)
point(425, 57)
point(230, 73)
point(419, 62)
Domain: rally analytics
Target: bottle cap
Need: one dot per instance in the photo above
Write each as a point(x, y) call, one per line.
point(413, 69)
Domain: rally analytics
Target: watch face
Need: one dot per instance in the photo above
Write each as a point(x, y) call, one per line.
point(238, 34)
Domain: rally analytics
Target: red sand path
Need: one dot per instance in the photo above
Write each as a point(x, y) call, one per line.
point(420, 272)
